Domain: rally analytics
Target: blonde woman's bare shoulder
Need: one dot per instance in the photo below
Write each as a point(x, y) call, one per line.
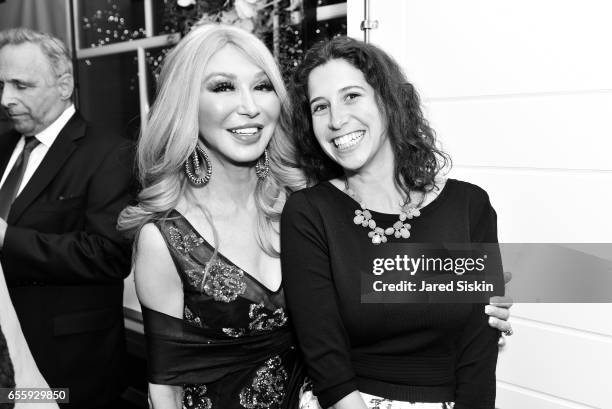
point(158, 285)
point(151, 244)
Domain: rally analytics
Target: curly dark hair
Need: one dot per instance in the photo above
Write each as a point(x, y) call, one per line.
point(417, 159)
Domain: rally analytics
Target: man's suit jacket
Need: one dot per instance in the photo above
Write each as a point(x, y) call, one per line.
point(65, 262)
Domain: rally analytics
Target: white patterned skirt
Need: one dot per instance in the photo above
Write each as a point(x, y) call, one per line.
point(376, 402)
point(309, 401)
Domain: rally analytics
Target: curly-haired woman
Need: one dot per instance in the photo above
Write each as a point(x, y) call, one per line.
point(360, 132)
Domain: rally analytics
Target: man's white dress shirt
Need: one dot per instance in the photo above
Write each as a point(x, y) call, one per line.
point(46, 138)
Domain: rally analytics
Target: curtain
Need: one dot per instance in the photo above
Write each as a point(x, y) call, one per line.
point(42, 15)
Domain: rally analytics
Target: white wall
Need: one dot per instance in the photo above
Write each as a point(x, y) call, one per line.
point(520, 94)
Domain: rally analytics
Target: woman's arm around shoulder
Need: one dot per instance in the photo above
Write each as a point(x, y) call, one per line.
point(484, 229)
point(476, 363)
point(159, 288)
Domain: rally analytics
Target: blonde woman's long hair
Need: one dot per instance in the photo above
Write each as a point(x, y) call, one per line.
point(172, 133)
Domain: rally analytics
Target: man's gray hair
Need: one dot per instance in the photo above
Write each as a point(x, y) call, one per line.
point(54, 49)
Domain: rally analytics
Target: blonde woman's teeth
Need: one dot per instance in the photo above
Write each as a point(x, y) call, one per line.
point(245, 131)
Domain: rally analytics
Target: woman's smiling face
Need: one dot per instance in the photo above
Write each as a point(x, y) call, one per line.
point(238, 107)
point(346, 117)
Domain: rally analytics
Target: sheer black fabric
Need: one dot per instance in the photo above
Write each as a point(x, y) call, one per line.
point(233, 347)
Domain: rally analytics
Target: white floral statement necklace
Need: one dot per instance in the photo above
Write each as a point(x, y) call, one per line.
point(379, 235)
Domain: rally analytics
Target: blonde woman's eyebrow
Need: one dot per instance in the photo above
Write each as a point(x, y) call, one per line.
point(233, 76)
point(219, 74)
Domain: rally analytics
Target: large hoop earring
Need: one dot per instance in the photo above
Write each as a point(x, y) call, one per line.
point(262, 167)
point(192, 167)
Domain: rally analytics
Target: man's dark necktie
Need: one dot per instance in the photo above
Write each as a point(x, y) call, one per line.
point(9, 189)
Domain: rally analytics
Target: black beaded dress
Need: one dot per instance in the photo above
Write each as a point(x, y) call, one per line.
point(233, 347)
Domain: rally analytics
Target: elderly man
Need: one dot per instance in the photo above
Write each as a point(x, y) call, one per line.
point(63, 185)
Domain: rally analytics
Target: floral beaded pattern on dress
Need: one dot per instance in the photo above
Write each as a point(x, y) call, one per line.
point(191, 318)
point(268, 387)
point(234, 332)
point(224, 282)
point(194, 397)
point(263, 321)
point(185, 243)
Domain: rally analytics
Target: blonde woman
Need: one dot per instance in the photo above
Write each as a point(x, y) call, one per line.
point(207, 269)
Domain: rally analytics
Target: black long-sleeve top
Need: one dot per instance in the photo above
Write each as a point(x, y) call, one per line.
point(407, 352)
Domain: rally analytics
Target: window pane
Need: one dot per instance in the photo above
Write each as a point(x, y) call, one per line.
point(298, 28)
point(324, 30)
point(110, 21)
point(154, 57)
point(108, 92)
